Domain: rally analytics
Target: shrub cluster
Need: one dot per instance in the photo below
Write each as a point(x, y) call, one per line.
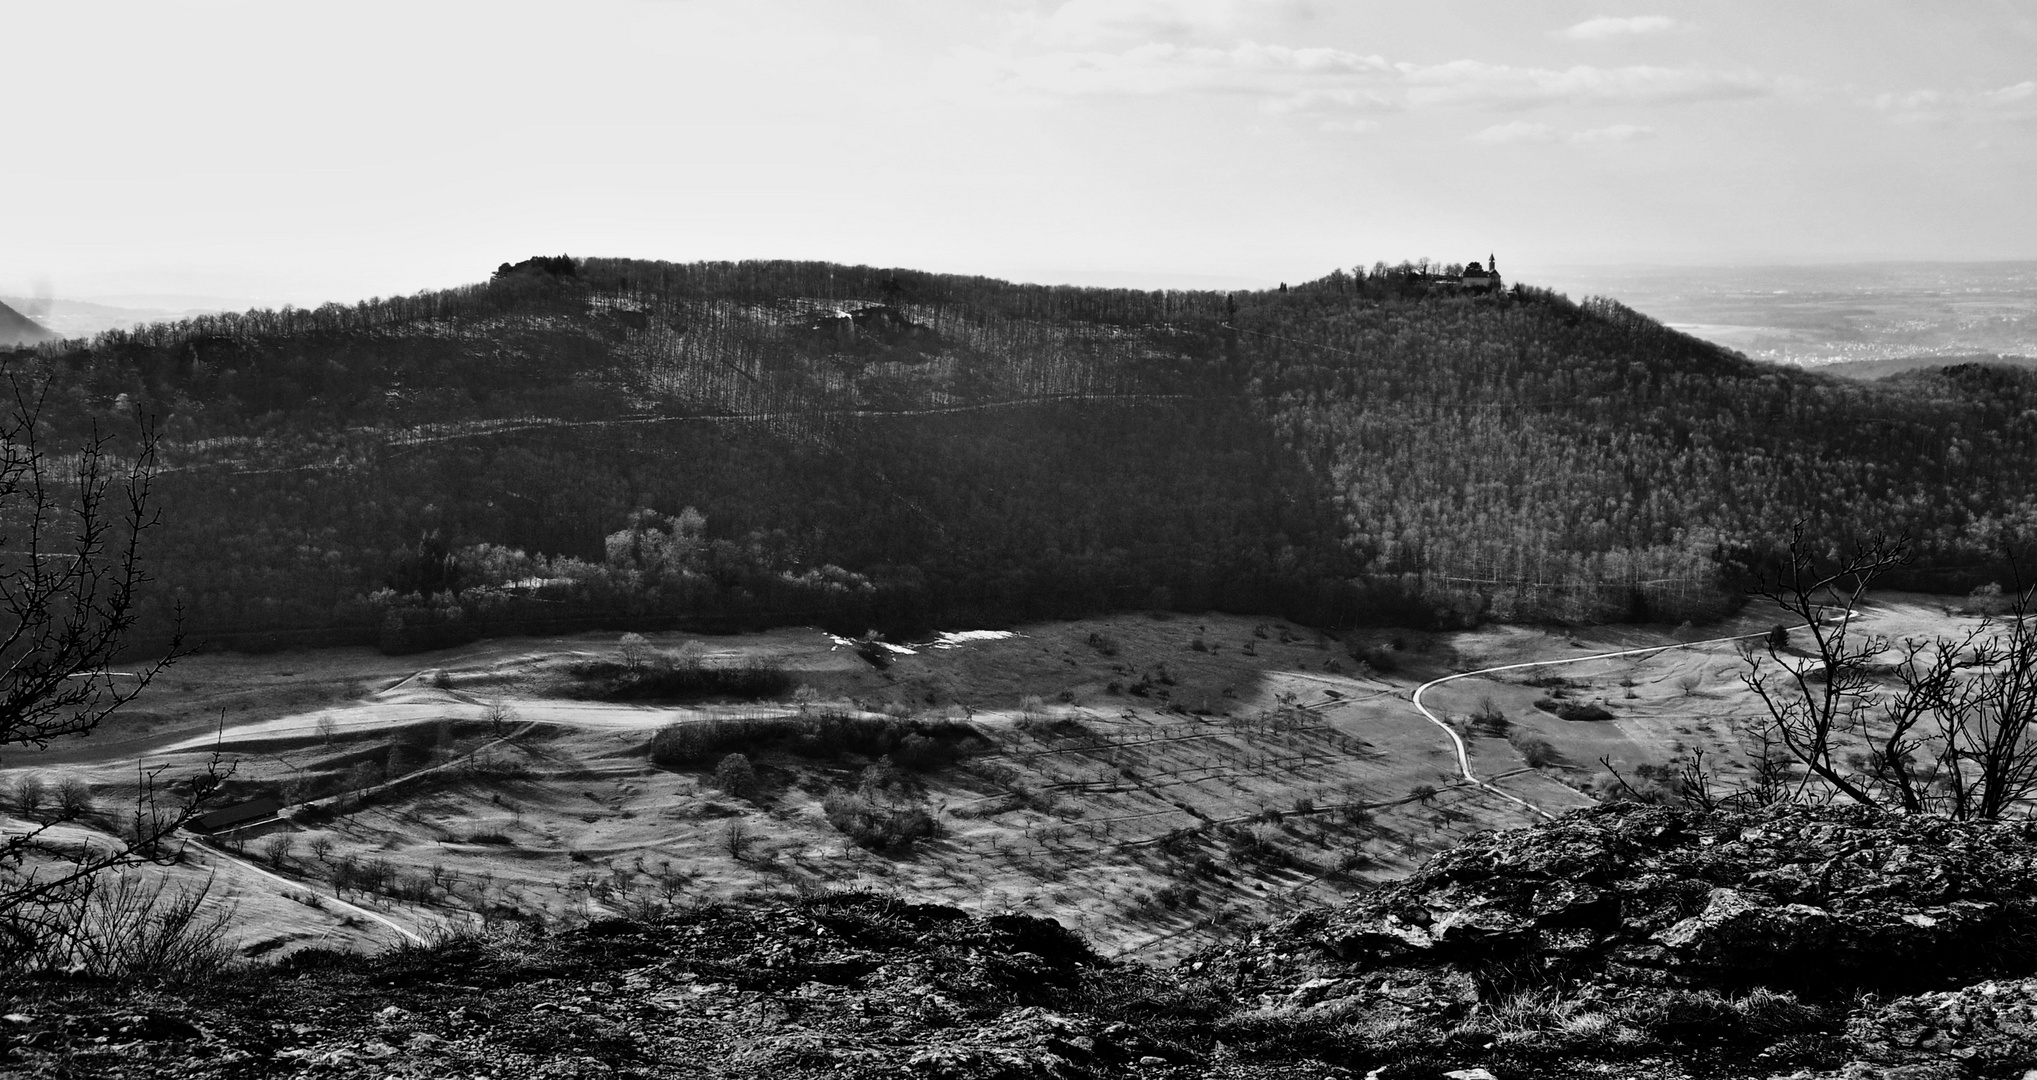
point(362, 875)
point(1579, 711)
point(1534, 749)
point(1379, 658)
point(875, 826)
point(668, 677)
point(126, 925)
point(913, 744)
point(735, 775)
point(1489, 719)
point(1575, 711)
point(1260, 847)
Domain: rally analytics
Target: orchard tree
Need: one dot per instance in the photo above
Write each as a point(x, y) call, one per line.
point(735, 775)
point(635, 649)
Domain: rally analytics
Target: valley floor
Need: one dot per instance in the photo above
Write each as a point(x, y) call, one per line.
point(1154, 783)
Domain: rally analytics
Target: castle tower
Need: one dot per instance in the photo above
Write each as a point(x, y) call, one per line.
point(1480, 278)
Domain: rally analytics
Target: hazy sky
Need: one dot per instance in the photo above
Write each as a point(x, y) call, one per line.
point(310, 150)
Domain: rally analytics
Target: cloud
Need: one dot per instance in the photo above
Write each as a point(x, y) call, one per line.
point(1614, 133)
point(1602, 28)
point(1523, 131)
point(1089, 23)
point(1517, 131)
point(1275, 71)
point(2018, 96)
point(1471, 82)
point(1324, 80)
point(1345, 99)
point(2017, 101)
point(1349, 127)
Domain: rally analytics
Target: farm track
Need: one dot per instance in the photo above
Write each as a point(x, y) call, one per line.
point(289, 886)
point(1457, 741)
point(89, 837)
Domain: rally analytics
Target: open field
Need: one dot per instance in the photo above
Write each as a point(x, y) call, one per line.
point(1148, 781)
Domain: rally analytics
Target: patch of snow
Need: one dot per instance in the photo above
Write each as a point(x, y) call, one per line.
point(953, 639)
point(902, 650)
point(956, 639)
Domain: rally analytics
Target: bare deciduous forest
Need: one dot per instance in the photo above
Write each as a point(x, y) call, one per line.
point(880, 448)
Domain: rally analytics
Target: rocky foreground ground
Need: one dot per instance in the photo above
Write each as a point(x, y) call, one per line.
point(1620, 941)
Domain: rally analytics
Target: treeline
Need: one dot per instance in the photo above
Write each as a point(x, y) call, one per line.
point(908, 522)
point(875, 448)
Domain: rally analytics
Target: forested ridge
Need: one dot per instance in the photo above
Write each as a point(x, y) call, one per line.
point(1530, 457)
point(615, 443)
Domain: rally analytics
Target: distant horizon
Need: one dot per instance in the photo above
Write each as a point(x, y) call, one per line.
point(173, 300)
point(241, 151)
point(1810, 314)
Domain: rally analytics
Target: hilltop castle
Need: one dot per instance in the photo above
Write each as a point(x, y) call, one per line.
point(1481, 279)
point(1472, 279)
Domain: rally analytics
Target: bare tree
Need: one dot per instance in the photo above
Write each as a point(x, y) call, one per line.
point(1945, 725)
point(1817, 706)
point(28, 793)
point(74, 797)
point(499, 716)
point(71, 577)
point(1959, 740)
point(276, 848)
point(735, 839)
point(634, 648)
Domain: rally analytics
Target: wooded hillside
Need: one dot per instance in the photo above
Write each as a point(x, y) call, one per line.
point(889, 449)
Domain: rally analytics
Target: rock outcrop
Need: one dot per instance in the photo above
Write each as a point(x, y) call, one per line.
point(1665, 921)
point(844, 985)
point(1620, 941)
point(1795, 898)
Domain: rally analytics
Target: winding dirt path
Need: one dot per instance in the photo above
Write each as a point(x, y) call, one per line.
point(1457, 741)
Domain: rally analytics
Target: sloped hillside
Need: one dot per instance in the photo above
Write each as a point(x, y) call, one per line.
point(889, 449)
point(19, 329)
point(968, 451)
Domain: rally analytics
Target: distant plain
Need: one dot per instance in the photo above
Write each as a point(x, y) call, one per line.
point(1851, 318)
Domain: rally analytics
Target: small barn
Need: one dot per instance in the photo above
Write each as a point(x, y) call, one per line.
point(227, 817)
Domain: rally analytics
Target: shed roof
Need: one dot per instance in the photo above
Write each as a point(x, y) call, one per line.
point(237, 814)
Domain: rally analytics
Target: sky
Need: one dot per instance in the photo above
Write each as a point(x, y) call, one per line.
point(312, 150)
